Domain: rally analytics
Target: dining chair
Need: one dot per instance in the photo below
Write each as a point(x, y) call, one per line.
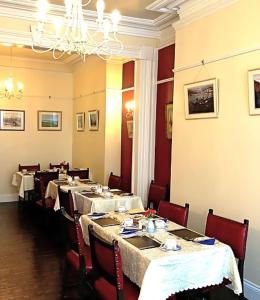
point(174, 212)
point(32, 168)
point(66, 201)
point(108, 280)
point(77, 253)
point(44, 205)
point(114, 181)
point(59, 166)
point(82, 174)
point(232, 233)
point(156, 194)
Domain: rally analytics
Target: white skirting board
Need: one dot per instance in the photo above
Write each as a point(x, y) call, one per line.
point(252, 291)
point(8, 198)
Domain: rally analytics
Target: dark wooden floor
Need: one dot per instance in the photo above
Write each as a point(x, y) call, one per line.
point(31, 259)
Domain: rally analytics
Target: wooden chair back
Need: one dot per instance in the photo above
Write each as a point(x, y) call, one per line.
point(114, 181)
point(32, 168)
point(156, 194)
point(174, 212)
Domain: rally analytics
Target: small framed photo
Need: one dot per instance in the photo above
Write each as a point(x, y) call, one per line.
point(80, 119)
point(254, 92)
point(12, 120)
point(50, 120)
point(168, 119)
point(130, 128)
point(201, 99)
point(93, 120)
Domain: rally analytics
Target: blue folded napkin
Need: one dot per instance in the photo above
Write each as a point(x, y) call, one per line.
point(209, 241)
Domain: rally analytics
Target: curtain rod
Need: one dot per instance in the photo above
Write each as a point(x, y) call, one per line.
point(212, 60)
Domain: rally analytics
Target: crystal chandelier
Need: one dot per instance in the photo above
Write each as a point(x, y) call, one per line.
point(71, 34)
point(10, 90)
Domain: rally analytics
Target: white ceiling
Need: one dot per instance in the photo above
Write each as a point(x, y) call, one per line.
point(130, 8)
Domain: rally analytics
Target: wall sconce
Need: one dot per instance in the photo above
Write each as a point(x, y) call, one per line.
point(130, 107)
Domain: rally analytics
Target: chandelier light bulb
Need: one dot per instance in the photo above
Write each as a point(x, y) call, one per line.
point(43, 7)
point(57, 22)
point(115, 16)
point(100, 6)
point(107, 27)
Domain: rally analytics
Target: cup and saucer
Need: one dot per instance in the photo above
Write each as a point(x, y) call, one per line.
point(170, 245)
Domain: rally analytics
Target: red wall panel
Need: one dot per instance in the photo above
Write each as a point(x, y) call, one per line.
point(126, 142)
point(128, 75)
point(162, 171)
point(165, 62)
point(162, 168)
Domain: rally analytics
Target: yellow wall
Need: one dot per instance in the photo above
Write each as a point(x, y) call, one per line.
point(33, 146)
point(89, 94)
point(216, 162)
point(97, 86)
point(113, 118)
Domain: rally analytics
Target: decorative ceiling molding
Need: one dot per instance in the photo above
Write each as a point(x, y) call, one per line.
point(26, 10)
point(197, 9)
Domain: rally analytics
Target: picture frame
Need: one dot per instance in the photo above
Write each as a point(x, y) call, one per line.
point(201, 99)
point(168, 119)
point(80, 121)
point(254, 91)
point(49, 120)
point(93, 120)
point(130, 128)
point(12, 120)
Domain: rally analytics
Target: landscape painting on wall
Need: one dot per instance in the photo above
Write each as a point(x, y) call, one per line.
point(254, 92)
point(201, 99)
point(12, 120)
point(49, 120)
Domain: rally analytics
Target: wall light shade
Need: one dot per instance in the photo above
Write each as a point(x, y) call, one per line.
point(130, 107)
point(9, 89)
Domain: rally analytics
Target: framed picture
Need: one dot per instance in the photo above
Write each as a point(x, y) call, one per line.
point(12, 120)
point(93, 119)
point(130, 128)
point(49, 120)
point(201, 99)
point(80, 119)
point(254, 92)
point(168, 119)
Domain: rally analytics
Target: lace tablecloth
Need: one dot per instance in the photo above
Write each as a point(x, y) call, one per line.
point(52, 191)
point(23, 182)
point(87, 205)
point(160, 274)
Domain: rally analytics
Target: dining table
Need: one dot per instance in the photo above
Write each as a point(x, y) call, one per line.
point(160, 273)
point(113, 200)
point(75, 186)
point(24, 182)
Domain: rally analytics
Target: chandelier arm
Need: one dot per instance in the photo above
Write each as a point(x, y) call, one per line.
point(85, 4)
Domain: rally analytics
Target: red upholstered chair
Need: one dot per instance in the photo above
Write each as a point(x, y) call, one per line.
point(66, 201)
point(232, 233)
point(174, 212)
point(30, 168)
point(77, 257)
point(83, 174)
point(59, 166)
point(156, 194)
point(41, 180)
point(114, 182)
point(109, 282)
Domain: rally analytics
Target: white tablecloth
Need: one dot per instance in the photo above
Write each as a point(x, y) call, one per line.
point(160, 274)
point(52, 191)
point(87, 205)
point(23, 182)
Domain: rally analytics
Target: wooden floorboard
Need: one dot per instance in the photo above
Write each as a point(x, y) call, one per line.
point(31, 259)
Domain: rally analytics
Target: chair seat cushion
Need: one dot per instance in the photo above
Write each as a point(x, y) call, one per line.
point(107, 291)
point(49, 202)
point(72, 258)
